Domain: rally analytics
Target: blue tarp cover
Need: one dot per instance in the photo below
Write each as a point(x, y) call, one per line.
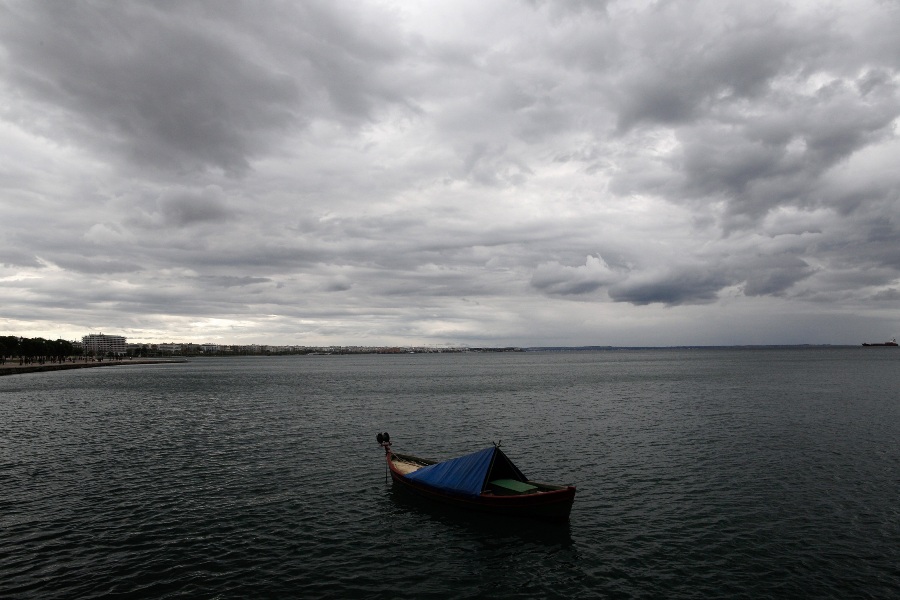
point(463, 475)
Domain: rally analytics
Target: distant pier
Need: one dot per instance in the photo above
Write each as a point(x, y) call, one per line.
point(13, 368)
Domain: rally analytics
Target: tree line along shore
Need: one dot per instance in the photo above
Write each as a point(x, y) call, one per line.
point(31, 351)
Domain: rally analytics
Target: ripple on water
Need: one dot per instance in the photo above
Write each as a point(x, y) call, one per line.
point(700, 474)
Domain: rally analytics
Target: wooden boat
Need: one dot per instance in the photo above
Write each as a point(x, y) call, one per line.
point(486, 481)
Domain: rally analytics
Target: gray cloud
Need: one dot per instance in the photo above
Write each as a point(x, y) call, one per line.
point(774, 275)
point(101, 266)
point(182, 210)
point(187, 86)
point(682, 285)
point(514, 173)
point(231, 281)
point(13, 257)
point(758, 110)
point(147, 82)
point(555, 278)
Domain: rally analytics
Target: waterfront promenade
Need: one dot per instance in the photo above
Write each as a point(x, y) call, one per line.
point(12, 367)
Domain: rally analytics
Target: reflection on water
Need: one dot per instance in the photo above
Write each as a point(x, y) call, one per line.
point(513, 530)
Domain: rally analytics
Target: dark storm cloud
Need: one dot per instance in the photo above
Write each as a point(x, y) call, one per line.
point(243, 254)
point(450, 171)
point(686, 285)
point(691, 65)
point(554, 278)
point(138, 78)
point(182, 210)
point(186, 86)
point(761, 109)
point(229, 281)
point(101, 266)
point(672, 285)
point(774, 275)
point(571, 6)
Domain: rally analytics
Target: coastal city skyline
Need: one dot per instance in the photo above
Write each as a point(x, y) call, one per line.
point(459, 174)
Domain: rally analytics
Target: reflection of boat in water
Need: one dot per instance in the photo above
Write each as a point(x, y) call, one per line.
point(893, 342)
point(486, 481)
point(510, 531)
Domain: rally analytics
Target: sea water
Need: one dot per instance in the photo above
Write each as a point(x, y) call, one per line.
point(701, 473)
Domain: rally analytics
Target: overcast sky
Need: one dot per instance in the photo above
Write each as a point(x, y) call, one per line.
point(451, 172)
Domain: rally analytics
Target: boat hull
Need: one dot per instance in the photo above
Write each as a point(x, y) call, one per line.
point(890, 344)
point(549, 504)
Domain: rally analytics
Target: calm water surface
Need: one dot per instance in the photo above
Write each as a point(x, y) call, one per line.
point(701, 473)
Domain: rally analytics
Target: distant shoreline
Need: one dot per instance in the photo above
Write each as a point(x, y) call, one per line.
point(12, 368)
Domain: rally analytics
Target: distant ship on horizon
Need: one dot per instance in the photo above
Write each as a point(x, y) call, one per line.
point(893, 342)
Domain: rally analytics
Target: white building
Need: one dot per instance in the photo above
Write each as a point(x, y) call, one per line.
point(99, 344)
